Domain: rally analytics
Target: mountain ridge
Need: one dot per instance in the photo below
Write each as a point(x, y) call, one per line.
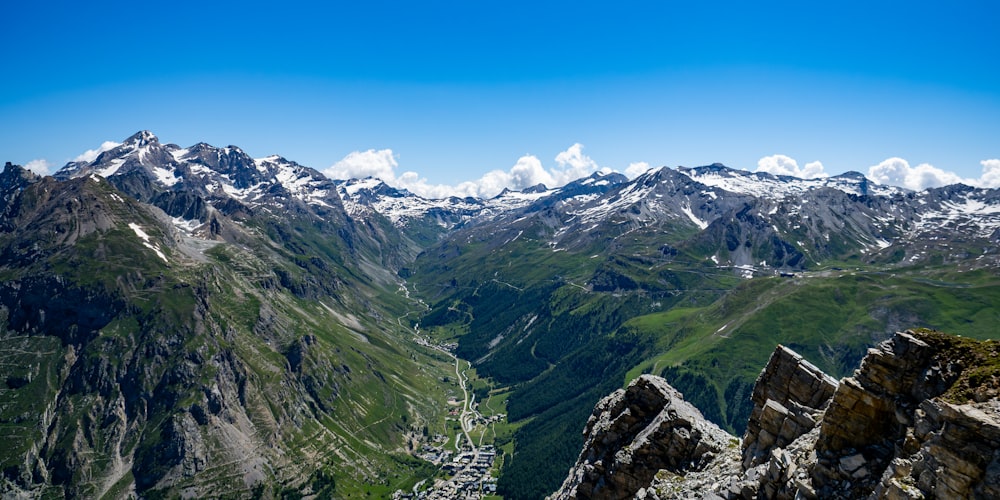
point(299, 297)
point(156, 358)
point(146, 169)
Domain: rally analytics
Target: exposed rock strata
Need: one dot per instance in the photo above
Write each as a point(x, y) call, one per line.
point(919, 419)
point(788, 398)
point(636, 432)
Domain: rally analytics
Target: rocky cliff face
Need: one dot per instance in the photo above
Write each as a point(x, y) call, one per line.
point(636, 432)
point(919, 419)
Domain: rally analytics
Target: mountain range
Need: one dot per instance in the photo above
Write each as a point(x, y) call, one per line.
point(187, 321)
point(801, 214)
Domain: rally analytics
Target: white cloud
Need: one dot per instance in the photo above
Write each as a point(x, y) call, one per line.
point(635, 169)
point(898, 172)
point(40, 166)
point(527, 172)
point(92, 154)
point(413, 183)
point(813, 170)
point(573, 164)
point(360, 164)
point(784, 165)
point(991, 173)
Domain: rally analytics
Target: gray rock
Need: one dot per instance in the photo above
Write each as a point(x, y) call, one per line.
point(636, 432)
point(788, 392)
point(883, 433)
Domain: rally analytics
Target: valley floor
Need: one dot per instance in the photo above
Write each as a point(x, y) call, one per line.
point(467, 467)
point(469, 471)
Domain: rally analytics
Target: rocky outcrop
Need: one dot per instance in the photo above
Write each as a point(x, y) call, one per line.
point(919, 419)
point(788, 398)
point(908, 424)
point(958, 454)
point(636, 432)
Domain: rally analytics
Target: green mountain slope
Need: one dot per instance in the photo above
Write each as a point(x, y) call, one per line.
point(137, 360)
point(563, 325)
point(713, 354)
point(229, 328)
point(550, 324)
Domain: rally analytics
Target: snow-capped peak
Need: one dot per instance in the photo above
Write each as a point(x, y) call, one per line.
point(768, 186)
point(140, 139)
point(209, 171)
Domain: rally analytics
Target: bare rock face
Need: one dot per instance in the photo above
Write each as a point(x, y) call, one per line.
point(788, 398)
point(636, 432)
point(919, 419)
point(889, 431)
point(864, 409)
point(958, 455)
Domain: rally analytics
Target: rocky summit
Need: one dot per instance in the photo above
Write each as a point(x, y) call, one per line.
point(919, 419)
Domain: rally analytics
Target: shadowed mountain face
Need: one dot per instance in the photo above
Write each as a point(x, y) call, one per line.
point(183, 321)
point(145, 353)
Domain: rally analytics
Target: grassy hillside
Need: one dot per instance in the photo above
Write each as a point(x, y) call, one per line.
point(562, 328)
point(138, 361)
point(713, 354)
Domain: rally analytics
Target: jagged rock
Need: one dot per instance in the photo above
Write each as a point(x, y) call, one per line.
point(787, 398)
point(872, 410)
point(907, 425)
point(959, 456)
point(636, 432)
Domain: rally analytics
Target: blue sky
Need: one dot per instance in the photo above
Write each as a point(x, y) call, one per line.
point(506, 93)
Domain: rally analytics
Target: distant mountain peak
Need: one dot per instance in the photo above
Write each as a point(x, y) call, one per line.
point(14, 177)
point(853, 175)
point(142, 138)
point(227, 177)
point(17, 170)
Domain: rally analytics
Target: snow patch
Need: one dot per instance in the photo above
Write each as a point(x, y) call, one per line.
point(166, 177)
point(179, 153)
point(186, 226)
point(694, 218)
point(145, 240)
point(519, 233)
point(139, 232)
point(776, 188)
point(111, 168)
